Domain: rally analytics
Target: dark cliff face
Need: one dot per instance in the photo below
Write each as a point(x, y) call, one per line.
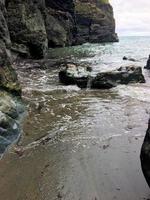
point(35, 25)
point(95, 21)
point(8, 77)
point(63, 5)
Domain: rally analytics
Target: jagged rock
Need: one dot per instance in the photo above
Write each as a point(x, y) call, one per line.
point(95, 21)
point(59, 27)
point(37, 24)
point(104, 80)
point(21, 50)
point(8, 77)
point(63, 5)
point(60, 22)
point(124, 75)
point(27, 26)
point(10, 110)
point(74, 74)
point(148, 63)
point(145, 155)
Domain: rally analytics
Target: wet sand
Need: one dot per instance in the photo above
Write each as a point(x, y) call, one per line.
point(92, 170)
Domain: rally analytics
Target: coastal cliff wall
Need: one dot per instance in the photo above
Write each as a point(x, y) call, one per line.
point(35, 25)
point(10, 105)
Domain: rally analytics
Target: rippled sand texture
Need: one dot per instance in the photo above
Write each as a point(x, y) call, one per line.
point(80, 144)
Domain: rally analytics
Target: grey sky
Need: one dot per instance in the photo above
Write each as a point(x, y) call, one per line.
point(132, 16)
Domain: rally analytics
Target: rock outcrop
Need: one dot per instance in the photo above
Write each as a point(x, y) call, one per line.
point(10, 108)
point(80, 76)
point(148, 63)
point(145, 155)
point(123, 75)
point(8, 77)
point(35, 25)
point(27, 26)
point(95, 21)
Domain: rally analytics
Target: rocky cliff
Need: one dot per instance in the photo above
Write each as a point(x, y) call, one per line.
point(95, 21)
point(10, 108)
point(35, 25)
point(8, 78)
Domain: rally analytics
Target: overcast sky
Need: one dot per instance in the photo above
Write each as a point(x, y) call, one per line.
point(132, 16)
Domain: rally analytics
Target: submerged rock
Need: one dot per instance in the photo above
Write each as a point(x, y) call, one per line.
point(104, 80)
point(130, 59)
point(145, 155)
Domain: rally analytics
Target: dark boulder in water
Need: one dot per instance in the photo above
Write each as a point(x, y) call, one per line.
point(103, 80)
point(124, 75)
point(130, 59)
point(73, 75)
point(145, 155)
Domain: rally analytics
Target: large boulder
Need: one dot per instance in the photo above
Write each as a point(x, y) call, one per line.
point(73, 74)
point(104, 80)
point(124, 75)
point(145, 155)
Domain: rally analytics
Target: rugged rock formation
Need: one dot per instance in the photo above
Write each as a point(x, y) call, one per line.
point(95, 21)
point(81, 76)
point(9, 106)
point(74, 74)
point(26, 26)
point(36, 24)
point(11, 109)
point(8, 77)
point(130, 59)
point(124, 75)
point(145, 155)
